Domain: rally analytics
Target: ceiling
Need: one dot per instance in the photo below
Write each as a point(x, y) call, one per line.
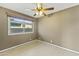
point(25, 7)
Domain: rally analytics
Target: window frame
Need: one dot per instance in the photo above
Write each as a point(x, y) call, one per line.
point(9, 27)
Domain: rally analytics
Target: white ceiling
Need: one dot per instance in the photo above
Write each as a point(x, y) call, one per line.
point(25, 7)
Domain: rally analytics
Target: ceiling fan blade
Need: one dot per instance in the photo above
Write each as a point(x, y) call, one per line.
point(44, 14)
point(49, 8)
point(31, 9)
point(34, 14)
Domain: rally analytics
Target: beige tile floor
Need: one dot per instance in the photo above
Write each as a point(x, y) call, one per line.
point(37, 48)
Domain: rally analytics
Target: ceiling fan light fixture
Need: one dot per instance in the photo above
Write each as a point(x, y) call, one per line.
point(41, 13)
point(37, 13)
point(40, 10)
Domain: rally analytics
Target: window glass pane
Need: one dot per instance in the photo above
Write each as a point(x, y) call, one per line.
point(28, 28)
point(15, 24)
point(19, 25)
point(16, 30)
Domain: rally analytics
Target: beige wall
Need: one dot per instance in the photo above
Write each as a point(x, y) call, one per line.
point(62, 28)
point(12, 40)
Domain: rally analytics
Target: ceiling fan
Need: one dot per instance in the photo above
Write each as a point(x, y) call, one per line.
point(40, 10)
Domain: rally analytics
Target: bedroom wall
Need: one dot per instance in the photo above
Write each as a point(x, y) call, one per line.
point(61, 28)
point(6, 40)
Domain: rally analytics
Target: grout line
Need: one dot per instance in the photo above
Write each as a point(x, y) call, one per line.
point(16, 46)
point(62, 47)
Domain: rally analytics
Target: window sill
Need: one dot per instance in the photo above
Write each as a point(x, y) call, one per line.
point(20, 33)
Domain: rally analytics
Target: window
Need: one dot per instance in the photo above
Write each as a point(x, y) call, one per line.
point(18, 26)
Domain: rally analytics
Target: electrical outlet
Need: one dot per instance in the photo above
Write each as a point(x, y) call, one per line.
point(51, 41)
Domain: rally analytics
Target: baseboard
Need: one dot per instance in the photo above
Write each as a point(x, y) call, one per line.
point(62, 47)
point(15, 46)
point(42, 41)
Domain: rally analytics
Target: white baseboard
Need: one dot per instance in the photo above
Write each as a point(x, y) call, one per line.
point(41, 41)
point(15, 46)
point(62, 47)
